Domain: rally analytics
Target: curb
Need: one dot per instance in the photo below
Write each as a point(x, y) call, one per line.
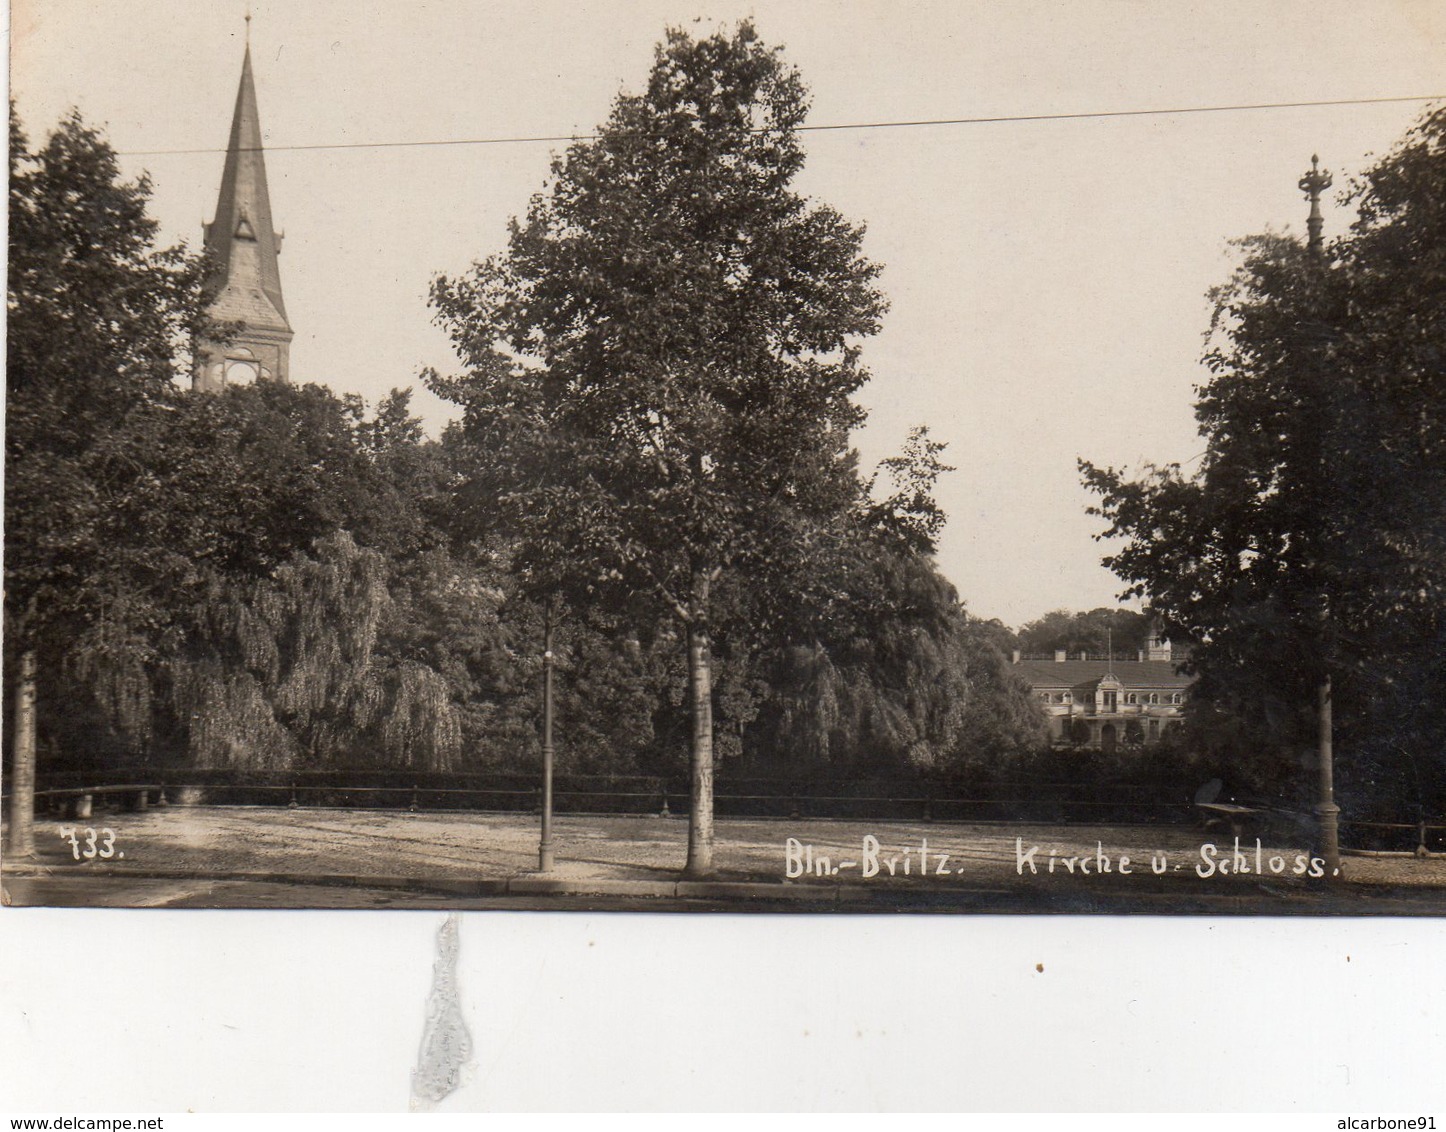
point(821, 896)
point(552, 886)
point(459, 886)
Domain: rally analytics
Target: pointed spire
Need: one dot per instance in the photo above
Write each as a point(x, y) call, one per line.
point(243, 245)
point(243, 207)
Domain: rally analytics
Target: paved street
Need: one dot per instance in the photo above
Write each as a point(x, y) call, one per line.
point(334, 858)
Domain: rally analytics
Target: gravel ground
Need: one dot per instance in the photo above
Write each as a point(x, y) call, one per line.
point(1163, 861)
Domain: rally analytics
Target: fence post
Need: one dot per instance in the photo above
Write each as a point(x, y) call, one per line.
point(1421, 850)
point(291, 805)
point(414, 806)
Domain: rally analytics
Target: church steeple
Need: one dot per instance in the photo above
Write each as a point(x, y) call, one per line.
point(243, 247)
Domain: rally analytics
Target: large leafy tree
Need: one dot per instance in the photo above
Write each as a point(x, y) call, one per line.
point(96, 317)
point(1311, 543)
point(183, 575)
point(233, 598)
point(1094, 631)
point(95, 314)
point(660, 368)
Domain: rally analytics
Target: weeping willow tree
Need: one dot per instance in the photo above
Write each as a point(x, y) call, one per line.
point(894, 678)
point(177, 581)
point(286, 672)
point(107, 678)
point(897, 705)
point(269, 674)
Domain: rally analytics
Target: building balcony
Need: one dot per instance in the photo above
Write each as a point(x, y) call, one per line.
point(1120, 711)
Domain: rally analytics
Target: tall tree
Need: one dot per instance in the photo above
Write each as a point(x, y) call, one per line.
point(96, 314)
point(251, 578)
point(660, 368)
point(1311, 543)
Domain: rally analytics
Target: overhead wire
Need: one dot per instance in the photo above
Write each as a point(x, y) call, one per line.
point(828, 127)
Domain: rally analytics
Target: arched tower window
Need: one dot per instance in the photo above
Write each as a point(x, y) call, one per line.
point(241, 371)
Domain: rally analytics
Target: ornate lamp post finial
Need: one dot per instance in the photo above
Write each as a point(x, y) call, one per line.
point(1312, 185)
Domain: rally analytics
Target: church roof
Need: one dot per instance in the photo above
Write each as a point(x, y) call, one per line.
point(1130, 673)
point(241, 239)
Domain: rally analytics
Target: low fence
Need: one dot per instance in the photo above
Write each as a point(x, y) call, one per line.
point(882, 798)
point(77, 793)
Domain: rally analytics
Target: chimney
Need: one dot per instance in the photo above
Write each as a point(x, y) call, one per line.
point(1059, 656)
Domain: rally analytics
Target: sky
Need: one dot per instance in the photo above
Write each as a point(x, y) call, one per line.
point(1047, 278)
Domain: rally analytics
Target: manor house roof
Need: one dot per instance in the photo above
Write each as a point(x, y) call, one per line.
point(1130, 673)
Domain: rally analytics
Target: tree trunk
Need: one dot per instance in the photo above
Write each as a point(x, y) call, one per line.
point(700, 689)
point(22, 769)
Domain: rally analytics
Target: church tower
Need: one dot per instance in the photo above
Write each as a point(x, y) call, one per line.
point(243, 247)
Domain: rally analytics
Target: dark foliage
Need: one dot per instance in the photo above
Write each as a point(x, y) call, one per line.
point(1312, 540)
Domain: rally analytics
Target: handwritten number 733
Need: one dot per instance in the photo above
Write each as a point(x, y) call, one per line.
point(106, 847)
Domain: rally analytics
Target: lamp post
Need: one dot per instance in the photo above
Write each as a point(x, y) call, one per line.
point(1313, 184)
point(544, 848)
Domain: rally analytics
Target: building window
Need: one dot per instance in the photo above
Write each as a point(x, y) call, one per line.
point(1154, 729)
point(1177, 698)
point(1131, 698)
point(1065, 698)
point(240, 371)
point(1154, 697)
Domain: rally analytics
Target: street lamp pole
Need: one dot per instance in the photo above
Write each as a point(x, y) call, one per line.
point(544, 849)
point(1313, 184)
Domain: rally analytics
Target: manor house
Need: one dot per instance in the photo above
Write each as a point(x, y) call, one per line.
point(1101, 702)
